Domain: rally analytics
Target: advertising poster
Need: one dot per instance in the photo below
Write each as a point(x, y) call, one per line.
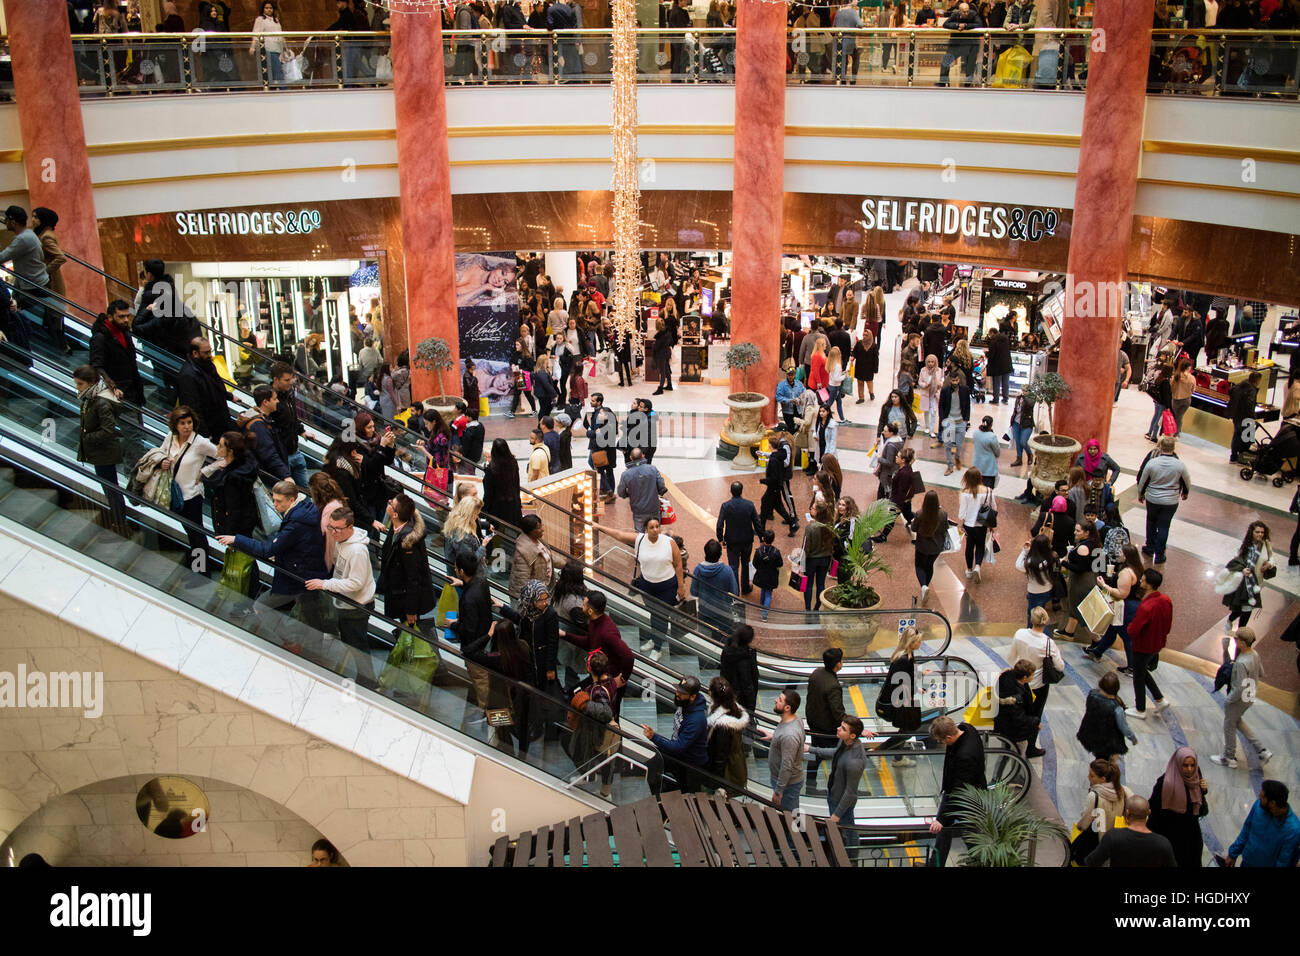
point(487, 312)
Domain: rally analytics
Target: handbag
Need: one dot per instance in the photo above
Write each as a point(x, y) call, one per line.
point(1051, 673)
point(600, 458)
point(1227, 582)
point(918, 484)
point(987, 516)
point(177, 495)
point(266, 513)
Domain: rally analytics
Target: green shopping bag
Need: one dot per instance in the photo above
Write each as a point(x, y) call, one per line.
point(410, 667)
point(448, 603)
point(237, 574)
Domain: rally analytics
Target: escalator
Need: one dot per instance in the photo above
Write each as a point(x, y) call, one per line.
point(693, 646)
point(39, 396)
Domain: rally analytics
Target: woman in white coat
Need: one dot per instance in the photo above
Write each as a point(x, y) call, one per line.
point(184, 453)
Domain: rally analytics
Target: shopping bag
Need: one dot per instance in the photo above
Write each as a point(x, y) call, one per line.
point(1168, 426)
point(916, 404)
point(666, 513)
point(834, 571)
point(982, 709)
point(448, 604)
point(384, 68)
point(268, 517)
point(873, 458)
point(292, 67)
point(237, 574)
point(824, 395)
point(1095, 611)
point(410, 667)
point(484, 409)
point(952, 542)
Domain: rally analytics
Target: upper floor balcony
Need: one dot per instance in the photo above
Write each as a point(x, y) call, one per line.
point(1183, 62)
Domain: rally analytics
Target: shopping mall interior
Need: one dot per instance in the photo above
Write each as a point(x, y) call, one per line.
point(577, 260)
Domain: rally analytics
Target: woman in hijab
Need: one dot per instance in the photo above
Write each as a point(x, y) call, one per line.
point(1177, 805)
point(539, 628)
point(1096, 463)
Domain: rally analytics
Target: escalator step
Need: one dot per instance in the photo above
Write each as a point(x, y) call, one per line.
point(30, 506)
point(72, 528)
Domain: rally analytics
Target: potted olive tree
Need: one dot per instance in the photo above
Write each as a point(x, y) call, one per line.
point(854, 633)
point(434, 355)
point(744, 426)
point(1053, 453)
point(999, 828)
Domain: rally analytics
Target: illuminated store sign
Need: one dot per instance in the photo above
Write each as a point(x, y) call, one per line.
point(973, 220)
point(254, 223)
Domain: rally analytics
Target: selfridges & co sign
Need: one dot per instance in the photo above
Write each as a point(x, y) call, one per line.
point(972, 220)
point(257, 222)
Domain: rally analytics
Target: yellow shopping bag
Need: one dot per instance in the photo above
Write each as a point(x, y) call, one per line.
point(978, 714)
point(484, 409)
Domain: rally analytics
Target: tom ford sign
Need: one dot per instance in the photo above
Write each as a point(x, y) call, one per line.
point(972, 220)
point(256, 222)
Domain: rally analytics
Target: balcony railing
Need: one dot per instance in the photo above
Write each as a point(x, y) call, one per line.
point(1185, 62)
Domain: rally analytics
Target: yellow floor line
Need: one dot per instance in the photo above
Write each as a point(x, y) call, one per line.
point(886, 778)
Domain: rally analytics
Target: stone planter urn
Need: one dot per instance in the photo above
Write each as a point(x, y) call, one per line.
point(444, 405)
point(1053, 457)
point(856, 632)
point(745, 427)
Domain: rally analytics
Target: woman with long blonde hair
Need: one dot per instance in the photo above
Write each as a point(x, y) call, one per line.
point(836, 374)
point(460, 530)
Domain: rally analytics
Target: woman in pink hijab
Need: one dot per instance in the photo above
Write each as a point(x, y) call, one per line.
point(1096, 463)
point(1177, 805)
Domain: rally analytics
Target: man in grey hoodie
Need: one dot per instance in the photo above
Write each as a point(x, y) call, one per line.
point(713, 583)
point(1162, 484)
point(353, 579)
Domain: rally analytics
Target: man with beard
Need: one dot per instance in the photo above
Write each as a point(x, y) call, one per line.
point(200, 387)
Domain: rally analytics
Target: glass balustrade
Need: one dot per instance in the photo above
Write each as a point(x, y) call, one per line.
point(1183, 62)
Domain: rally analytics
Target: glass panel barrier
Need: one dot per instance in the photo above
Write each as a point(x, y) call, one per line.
point(1184, 62)
point(131, 537)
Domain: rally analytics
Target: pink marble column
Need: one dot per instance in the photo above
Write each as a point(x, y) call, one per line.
point(424, 174)
point(757, 191)
point(1104, 193)
point(54, 140)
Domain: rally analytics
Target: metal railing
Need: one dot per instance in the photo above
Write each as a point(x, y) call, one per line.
point(1183, 62)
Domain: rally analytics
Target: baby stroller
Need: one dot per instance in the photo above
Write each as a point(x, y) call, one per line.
point(977, 379)
point(1269, 455)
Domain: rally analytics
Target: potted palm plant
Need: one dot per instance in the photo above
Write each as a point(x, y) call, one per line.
point(744, 426)
point(854, 633)
point(999, 829)
point(434, 355)
point(1053, 453)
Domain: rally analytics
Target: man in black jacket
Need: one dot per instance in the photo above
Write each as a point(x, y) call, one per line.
point(777, 497)
point(825, 707)
point(473, 627)
point(199, 386)
point(163, 318)
point(737, 524)
point(998, 366)
point(964, 44)
point(471, 441)
point(954, 419)
point(284, 420)
point(602, 436)
point(112, 351)
point(266, 447)
point(963, 763)
point(934, 340)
